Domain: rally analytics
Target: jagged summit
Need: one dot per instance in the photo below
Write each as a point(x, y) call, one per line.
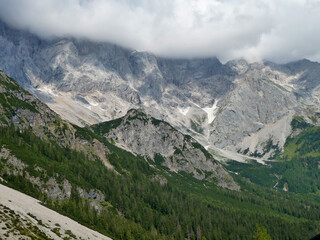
point(233, 107)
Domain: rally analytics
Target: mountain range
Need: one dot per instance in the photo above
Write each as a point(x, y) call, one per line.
point(236, 107)
point(137, 146)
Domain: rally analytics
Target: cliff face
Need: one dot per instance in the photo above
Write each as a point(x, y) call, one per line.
point(232, 106)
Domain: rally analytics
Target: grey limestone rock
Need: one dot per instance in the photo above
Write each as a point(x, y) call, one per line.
point(159, 141)
point(111, 80)
point(58, 191)
point(93, 194)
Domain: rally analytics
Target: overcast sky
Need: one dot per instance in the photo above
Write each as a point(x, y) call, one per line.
point(277, 30)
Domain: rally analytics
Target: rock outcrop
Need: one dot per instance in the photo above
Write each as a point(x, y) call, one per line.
point(11, 165)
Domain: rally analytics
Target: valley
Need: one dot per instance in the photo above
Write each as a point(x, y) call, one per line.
point(137, 198)
point(136, 146)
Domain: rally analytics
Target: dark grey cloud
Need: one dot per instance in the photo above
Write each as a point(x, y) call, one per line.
point(278, 30)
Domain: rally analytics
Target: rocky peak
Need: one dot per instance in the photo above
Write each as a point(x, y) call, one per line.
point(239, 66)
point(87, 83)
point(162, 144)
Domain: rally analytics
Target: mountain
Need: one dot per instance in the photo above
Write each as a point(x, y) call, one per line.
point(164, 145)
point(24, 111)
point(232, 109)
point(136, 173)
point(81, 173)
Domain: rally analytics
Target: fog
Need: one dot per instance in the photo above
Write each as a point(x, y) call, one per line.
point(280, 31)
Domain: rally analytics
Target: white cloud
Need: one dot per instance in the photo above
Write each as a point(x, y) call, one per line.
point(281, 30)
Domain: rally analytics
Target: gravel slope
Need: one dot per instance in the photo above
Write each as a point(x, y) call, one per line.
point(23, 217)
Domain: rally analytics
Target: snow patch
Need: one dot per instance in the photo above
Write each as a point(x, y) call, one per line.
point(47, 89)
point(211, 111)
point(184, 111)
point(93, 104)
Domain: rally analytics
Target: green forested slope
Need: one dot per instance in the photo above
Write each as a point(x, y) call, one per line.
point(137, 205)
point(143, 209)
point(297, 168)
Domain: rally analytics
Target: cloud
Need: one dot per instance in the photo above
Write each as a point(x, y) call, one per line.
point(277, 30)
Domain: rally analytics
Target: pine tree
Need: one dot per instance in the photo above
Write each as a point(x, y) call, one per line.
point(260, 233)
